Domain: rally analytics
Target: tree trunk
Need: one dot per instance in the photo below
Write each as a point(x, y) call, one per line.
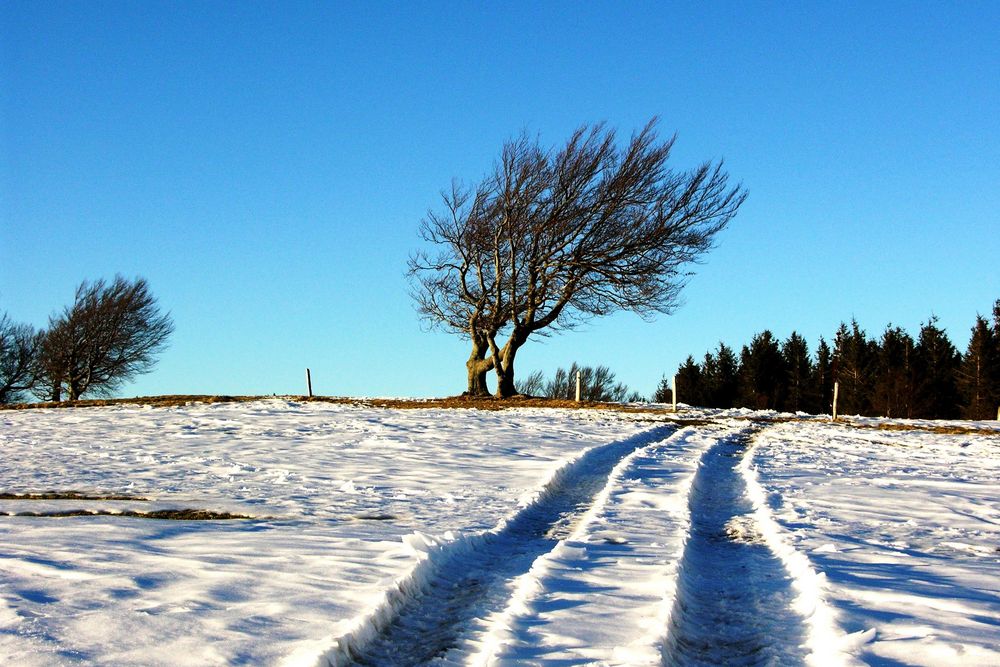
point(505, 366)
point(477, 367)
point(505, 379)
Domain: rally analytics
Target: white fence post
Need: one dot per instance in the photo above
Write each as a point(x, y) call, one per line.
point(673, 393)
point(836, 390)
point(578, 386)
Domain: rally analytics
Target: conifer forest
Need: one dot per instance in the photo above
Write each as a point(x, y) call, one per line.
point(892, 375)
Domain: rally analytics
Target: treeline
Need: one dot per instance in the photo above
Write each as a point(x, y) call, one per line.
point(110, 334)
point(893, 375)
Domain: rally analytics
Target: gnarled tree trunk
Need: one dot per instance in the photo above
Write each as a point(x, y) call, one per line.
point(477, 367)
point(504, 363)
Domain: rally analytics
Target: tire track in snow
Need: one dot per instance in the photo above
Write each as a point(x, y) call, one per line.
point(735, 599)
point(602, 597)
point(468, 580)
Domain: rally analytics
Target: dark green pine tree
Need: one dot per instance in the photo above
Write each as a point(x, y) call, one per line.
point(936, 363)
point(762, 373)
point(892, 394)
point(822, 380)
point(727, 368)
point(799, 372)
point(710, 381)
point(690, 389)
point(853, 366)
point(979, 374)
point(664, 393)
point(996, 355)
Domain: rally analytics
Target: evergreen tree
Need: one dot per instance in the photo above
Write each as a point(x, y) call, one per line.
point(762, 373)
point(690, 388)
point(710, 381)
point(936, 362)
point(798, 374)
point(727, 368)
point(822, 380)
point(853, 365)
point(892, 394)
point(664, 393)
point(978, 374)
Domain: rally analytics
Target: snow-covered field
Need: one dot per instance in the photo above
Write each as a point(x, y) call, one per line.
point(399, 537)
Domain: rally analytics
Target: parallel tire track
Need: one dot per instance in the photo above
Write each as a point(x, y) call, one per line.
point(469, 584)
point(734, 602)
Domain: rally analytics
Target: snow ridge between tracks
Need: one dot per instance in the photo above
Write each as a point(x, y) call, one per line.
point(828, 645)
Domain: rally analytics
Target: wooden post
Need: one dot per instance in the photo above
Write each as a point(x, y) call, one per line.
point(578, 386)
point(998, 413)
point(309, 382)
point(836, 390)
point(673, 393)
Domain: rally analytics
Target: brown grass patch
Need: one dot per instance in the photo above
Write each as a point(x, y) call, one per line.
point(154, 401)
point(929, 428)
point(67, 495)
point(487, 403)
point(169, 515)
point(451, 402)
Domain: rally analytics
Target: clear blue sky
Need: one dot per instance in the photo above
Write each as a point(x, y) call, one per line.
point(265, 166)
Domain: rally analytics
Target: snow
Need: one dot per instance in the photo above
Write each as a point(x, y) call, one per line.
point(905, 529)
point(604, 595)
point(497, 538)
point(118, 590)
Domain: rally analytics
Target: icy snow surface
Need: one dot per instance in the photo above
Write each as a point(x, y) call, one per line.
point(339, 486)
point(549, 537)
point(905, 528)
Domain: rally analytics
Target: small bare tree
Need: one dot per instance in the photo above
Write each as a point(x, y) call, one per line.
point(567, 235)
point(19, 347)
point(110, 334)
point(596, 384)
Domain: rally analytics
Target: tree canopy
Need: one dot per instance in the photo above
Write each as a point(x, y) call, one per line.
point(19, 345)
point(553, 237)
point(110, 334)
point(894, 375)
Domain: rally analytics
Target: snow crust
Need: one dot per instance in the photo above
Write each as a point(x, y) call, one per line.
point(885, 540)
point(901, 531)
point(341, 492)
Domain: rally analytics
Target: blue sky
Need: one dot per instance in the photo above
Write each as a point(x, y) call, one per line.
point(265, 167)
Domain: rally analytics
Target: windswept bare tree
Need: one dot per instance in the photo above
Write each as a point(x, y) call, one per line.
point(569, 234)
point(455, 288)
point(110, 334)
point(19, 347)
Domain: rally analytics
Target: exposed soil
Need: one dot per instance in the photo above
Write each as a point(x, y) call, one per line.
point(943, 430)
point(170, 515)
point(155, 401)
point(471, 402)
point(66, 495)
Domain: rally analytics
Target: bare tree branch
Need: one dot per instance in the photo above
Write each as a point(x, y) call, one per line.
point(110, 334)
point(19, 347)
point(555, 237)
